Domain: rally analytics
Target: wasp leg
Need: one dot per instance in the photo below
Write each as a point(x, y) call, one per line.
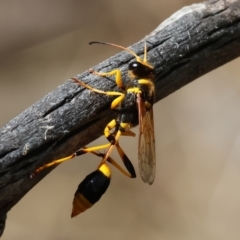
point(115, 102)
point(131, 171)
point(116, 72)
point(108, 135)
point(126, 161)
point(128, 133)
point(113, 138)
point(77, 153)
point(55, 162)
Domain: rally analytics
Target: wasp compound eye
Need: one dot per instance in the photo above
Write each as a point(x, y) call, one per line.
point(140, 70)
point(134, 66)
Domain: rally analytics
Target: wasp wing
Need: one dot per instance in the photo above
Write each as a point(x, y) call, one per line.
point(146, 143)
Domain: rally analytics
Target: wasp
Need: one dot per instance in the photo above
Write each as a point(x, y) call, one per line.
point(134, 102)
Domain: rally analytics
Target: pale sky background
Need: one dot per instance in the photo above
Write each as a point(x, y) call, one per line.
point(196, 192)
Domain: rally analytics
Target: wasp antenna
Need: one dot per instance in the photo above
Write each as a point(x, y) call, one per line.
point(117, 46)
point(96, 42)
point(145, 52)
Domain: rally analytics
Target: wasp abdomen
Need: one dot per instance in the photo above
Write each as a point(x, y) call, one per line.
point(91, 189)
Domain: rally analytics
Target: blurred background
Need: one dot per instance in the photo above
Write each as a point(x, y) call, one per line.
point(196, 192)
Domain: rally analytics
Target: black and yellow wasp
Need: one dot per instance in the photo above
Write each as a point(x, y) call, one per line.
point(134, 102)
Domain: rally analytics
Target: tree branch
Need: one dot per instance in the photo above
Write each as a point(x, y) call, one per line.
point(192, 42)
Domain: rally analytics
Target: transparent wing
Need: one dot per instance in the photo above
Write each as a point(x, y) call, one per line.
point(146, 143)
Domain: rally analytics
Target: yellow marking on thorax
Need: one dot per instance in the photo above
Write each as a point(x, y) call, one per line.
point(145, 81)
point(135, 90)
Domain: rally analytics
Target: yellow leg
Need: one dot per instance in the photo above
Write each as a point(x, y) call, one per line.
point(116, 137)
point(128, 133)
point(126, 161)
point(91, 149)
point(105, 157)
point(113, 139)
point(118, 77)
point(131, 173)
point(115, 102)
point(110, 137)
point(61, 160)
point(55, 162)
point(116, 165)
